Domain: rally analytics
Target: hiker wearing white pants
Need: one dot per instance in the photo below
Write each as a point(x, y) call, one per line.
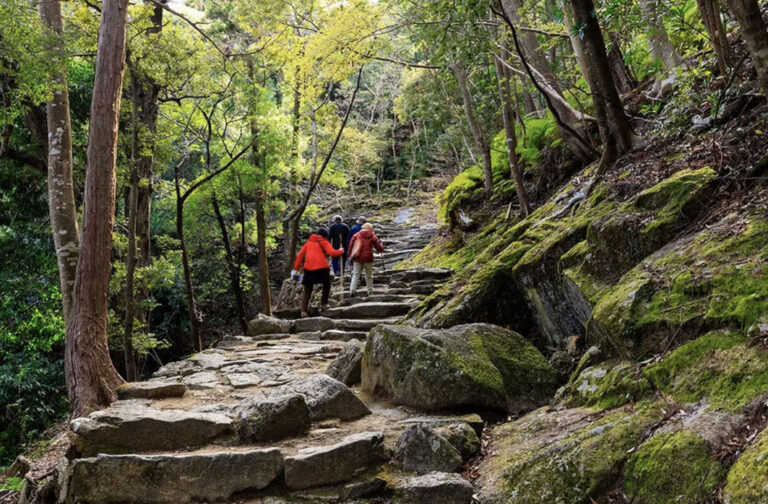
point(361, 248)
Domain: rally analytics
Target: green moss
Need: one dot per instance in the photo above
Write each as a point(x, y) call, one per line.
point(746, 481)
point(462, 188)
point(608, 385)
point(672, 468)
point(719, 367)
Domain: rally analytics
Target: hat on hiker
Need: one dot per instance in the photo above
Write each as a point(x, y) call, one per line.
point(337, 218)
point(368, 226)
point(322, 232)
point(361, 220)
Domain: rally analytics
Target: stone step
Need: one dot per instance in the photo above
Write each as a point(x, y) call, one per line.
point(369, 310)
point(376, 298)
point(333, 335)
point(421, 274)
point(171, 478)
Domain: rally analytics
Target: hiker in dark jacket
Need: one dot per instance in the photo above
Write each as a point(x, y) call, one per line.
point(313, 259)
point(339, 239)
point(361, 253)
point(356, 228)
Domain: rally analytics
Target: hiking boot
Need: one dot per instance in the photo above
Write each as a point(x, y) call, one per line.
point(323, 307)
point(304, 314)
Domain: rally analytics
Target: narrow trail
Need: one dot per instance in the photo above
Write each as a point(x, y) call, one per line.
point(257, 419)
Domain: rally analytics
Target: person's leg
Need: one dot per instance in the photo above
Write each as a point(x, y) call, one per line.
point(305, 297)
point(335, 263)
point(357, 268)
point(369, 278)
point(326, 293)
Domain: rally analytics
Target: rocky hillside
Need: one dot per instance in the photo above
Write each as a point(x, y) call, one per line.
point(648, 292)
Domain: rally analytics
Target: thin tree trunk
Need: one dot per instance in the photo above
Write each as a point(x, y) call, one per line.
point(481, 140)
point(261, 239)
point(61, 194)
point(91, 377)
point(234, 274)
point(619, 70)
point(750, 18)
point(194, 316)
point(508, 115)
point(658, 40)
point(713, 22)
point(588, 44)
point(529, 44)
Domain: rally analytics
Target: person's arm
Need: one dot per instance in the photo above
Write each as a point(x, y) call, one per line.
point(300, 257)
point(377, 244)
point(328, 249)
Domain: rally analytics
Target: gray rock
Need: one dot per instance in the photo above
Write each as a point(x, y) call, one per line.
point(445, 488)
point(151, 390)
point(211, 360)
point(178, 368)
point(272, 418)
point(326, 397)
point(204, 380)
point(264, 324)
point(346, 366)
point(337, 463)
point(313, 324)
point(363, 489)
point(472, 365)
point(369, 310)
point(423, 450)
point(171, 479)
point(462, 437)
point(128, 427)
point(419, 274)
point(473, 419)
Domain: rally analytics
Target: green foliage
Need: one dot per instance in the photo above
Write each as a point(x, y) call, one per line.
point(534, 135)
point(465, 186)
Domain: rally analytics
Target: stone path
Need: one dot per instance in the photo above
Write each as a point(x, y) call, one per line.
point(257, 419)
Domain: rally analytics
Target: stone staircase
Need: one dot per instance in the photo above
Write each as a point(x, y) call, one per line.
point(258, 419)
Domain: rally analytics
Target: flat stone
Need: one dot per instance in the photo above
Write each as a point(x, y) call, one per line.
point(423, 450)
point(473, 419)
point(264, 324)
point(211, 360)
point(369, 310)
point(151, 390)
point(244, 380)
point(272, 418)
point(326, 397)
point(178, 368)
point(129, 427)
point(363, 489)
point(346, 365)
point(171, 478)
point(337, 463)
point(313, 324)
point(342, 335)
point(203, 380)
point(445, 488)
point(420, 274)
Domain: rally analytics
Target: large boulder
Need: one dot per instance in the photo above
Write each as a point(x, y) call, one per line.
point(346, 366)
point(129, 426)
point(264, 324)
point(423, 450)
point(272, 418)
point(326, 397)
point(337, 463)
point(462, 436)
point(171, 478)
point(473, 365)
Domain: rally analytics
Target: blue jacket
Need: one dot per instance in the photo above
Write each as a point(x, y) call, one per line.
point(352, 232)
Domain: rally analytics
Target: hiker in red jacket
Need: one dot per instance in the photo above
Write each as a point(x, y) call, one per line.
point(313, 258)
point(361, 254)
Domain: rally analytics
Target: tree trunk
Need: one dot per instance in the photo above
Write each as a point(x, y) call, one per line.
point(619, 70)
point(508, 115)
point(194, 316)
point(750, 18)
point(529, 44)
point(130, 258)
point(91, 378)
point(658, 40)
point(234, 273)
point(61, 194)
point(261, 239)
point(713, 22)
point(481, 140)
point(588, 44)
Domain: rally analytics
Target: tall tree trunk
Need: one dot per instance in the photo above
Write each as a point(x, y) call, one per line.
point(481, 139)
point(713, 22)
point(529, 44)
point(234, 273)
point(91, 377)
point(588, 44)
point(658, 40)
point(261, 240)
point(750, 18)
point(130, 257)
point(61, 194)
point(508, 115)
point(194, 316)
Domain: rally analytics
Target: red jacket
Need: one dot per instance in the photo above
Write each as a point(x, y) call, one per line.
point(314, 254)
point(368, 240)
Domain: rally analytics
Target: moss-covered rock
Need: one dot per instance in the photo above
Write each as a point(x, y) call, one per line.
point(608, 385)
point(473, 365)
point(563, 456)
point(672, 468)
point(747, 481)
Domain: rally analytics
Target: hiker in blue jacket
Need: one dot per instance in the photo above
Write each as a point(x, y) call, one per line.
point(356, 228)
point(339, 232)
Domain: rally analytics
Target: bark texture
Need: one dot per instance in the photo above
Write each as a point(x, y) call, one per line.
point(658, 40)
point(478, 134)
point(588, 44)
point(61, 193)
point(713, 22)
point(750, 18)
point(91, 377)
